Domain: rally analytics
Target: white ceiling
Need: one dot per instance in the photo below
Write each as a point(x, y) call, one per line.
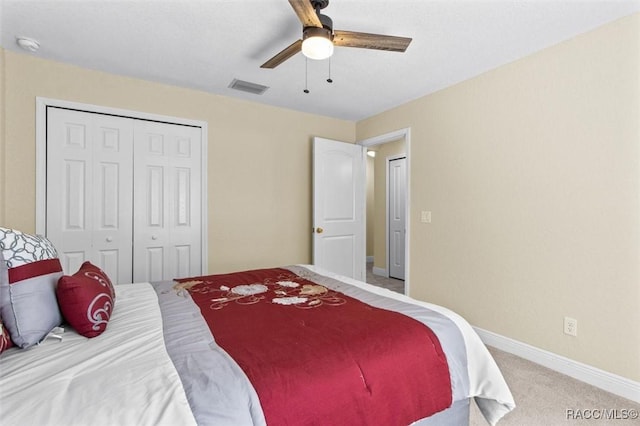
point(205, 44)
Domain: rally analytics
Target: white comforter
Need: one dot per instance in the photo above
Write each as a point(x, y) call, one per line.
point(122, 377)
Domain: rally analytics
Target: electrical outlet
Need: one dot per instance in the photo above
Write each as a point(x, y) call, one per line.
point(571, 326)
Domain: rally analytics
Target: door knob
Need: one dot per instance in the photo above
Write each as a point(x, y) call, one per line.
point(154, 237)
point(109, 239)
point(319, 230)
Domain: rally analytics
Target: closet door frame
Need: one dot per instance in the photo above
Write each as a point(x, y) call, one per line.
point(41, 157)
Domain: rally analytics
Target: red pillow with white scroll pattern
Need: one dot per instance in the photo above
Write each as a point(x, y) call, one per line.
point(86, 300)
point(5, 340)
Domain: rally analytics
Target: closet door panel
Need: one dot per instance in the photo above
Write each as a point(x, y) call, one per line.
point(109, 261)
point(74, 194)
point(68, 158)
point(89, 193)
point(109, 190)
point(185, 217)
point(154, 204)
point(183, 197)
point(150, 195)
point(113, 196)
point(182, 258)
point(71, 260)
point(154, 263)
point(167, 225)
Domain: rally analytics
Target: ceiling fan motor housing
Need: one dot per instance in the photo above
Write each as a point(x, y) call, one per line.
point(326, 30)
point(326, 22)
point(317, 32)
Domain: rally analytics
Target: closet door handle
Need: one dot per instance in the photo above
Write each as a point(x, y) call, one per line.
point(109, 239)
point(154, 237)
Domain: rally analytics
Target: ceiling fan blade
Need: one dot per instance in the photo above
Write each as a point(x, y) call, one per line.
point(285, 54)
point(306, 13)
point(370, 41)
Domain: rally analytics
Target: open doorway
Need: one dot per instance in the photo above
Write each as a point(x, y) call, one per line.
point(386, 210)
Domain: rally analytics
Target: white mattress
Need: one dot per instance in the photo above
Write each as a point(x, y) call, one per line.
point(122, 377)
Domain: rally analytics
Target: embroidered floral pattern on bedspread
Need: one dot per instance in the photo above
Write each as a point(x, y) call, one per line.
point(287, 289)
point(5, 340)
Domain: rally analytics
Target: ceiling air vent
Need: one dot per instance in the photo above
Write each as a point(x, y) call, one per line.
point(247, 86)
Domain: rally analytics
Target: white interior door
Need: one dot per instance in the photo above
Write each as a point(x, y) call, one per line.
point(89, 192)
point(339, 207)
point(397, 216)
point(167, 220)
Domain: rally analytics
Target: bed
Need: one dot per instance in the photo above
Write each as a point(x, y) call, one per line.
point(219, 350)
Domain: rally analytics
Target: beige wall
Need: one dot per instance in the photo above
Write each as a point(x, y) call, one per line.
point(259, 178)
point(385, 151)
point(532, 174)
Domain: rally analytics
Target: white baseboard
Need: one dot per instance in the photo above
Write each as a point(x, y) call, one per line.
point(609, 382)
point(379, 271)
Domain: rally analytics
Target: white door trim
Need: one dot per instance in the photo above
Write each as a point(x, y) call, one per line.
point(379, 140)
point(41, 156)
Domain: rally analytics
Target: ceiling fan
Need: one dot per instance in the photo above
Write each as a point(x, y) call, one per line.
point(319, 37)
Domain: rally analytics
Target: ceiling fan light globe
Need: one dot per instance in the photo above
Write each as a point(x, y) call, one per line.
point(317, 47)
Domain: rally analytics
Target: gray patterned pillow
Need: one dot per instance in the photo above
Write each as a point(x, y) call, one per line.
point(29, 273)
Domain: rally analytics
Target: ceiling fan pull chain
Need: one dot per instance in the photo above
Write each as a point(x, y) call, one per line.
point(329, 80)
point(306, 72)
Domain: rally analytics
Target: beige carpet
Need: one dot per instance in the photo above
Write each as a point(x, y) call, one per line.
point(547, 398)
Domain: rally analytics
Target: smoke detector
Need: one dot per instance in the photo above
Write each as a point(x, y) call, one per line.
point(28, 44)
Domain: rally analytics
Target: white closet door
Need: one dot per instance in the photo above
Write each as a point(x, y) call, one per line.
point(89, 193)
point(167, 219)
point(397, 216)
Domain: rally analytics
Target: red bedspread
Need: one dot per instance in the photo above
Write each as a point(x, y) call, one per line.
point(316, 356)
